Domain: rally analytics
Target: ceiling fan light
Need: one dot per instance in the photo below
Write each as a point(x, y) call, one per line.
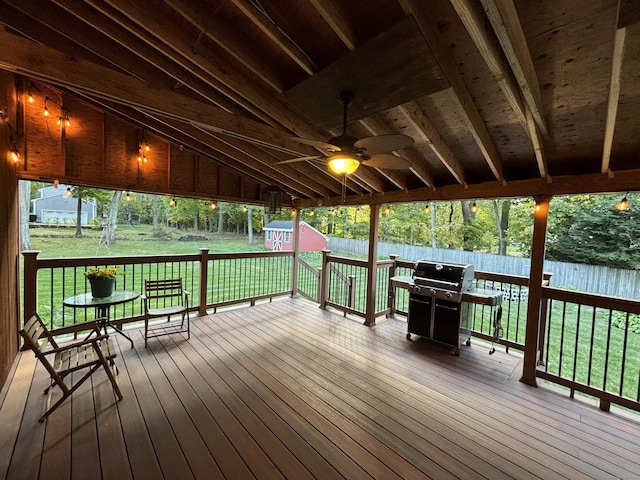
point(343, 163)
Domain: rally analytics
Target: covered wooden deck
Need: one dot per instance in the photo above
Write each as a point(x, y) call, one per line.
point(286, 390)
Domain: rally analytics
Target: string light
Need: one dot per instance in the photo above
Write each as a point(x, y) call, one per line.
point(127, 197)
point(474, 207)
point(173, 202)
point(30, 95)
point(312, 212)
point(426, 208)
point(332, 212)
point(213, 205)
point(623, 204)
point(387, 210)
point(68, 193)
point(46, 110)
point(13, 149)
point(244, 209)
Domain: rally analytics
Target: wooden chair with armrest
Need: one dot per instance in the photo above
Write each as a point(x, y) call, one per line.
point(164, 298)
point(61, 360)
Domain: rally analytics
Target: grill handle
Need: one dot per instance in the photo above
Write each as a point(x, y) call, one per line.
point(439, 283)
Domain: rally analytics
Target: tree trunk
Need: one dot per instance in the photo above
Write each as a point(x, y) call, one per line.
point(154, 214)
point(112, 219)
point(79, 216)
point(25, 203)
point(504, 224)
point(220, 219)
point(501, 245)
point(250, 226)
point(196, 222)
point(432, 209)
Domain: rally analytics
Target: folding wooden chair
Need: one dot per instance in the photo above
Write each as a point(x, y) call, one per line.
point(163, 298)
point(91, 353)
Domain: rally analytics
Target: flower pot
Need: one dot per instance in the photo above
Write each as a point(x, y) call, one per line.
point(102, 287)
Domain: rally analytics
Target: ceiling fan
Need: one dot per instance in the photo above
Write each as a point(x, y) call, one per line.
point(344, 154)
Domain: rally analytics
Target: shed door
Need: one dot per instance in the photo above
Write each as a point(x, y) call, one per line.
point(277, 241)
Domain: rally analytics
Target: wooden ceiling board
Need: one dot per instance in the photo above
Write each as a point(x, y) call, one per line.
point(387, 71)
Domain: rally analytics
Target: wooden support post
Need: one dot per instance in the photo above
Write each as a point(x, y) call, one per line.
point(296, 251)
point(30, 302)
point(391, 300)
point(204, 274)
point(324, 279)
point(370, 312)
point(536, 276)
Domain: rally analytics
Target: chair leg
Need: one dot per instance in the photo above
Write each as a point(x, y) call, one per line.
point(114, 384)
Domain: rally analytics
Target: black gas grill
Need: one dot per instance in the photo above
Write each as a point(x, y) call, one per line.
point(439, 302)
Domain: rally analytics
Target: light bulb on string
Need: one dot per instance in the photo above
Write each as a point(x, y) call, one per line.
point(127, 197)
point(68, 193)
point(426, 208)
point(46, 110)
point(387, 210)
point(474, 207)
point(623, 204)
point(213, 205)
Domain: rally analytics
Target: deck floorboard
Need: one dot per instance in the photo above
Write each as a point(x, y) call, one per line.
point(286, 390)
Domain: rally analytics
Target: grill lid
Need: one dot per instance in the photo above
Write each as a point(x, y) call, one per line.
point(448, 276)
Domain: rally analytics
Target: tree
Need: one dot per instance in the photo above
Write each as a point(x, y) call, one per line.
point(502, 222)
point(109, 229)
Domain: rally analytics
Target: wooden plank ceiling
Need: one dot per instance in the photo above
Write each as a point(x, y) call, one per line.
point(501, 97)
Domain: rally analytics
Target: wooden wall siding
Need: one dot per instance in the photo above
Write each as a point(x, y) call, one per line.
point(9, 234)
point(100, 149)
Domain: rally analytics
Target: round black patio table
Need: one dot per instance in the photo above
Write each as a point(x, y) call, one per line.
point(103, 307)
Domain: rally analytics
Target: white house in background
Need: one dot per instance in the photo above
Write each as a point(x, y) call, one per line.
point(55, 208)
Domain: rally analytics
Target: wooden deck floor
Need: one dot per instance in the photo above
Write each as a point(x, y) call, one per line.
point(286, 390)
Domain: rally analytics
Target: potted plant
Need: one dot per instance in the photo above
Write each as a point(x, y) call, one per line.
point(102, 280)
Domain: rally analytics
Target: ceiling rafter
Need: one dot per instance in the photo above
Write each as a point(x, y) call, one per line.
point(505, 22)
point(461, 94)
point(474, 19)
point(614, 96)
point(26, 57)
point(333, 15)
point(227, 39)
point(179, 49)
point(429, 133)
point(121, 35)
point(271, 30)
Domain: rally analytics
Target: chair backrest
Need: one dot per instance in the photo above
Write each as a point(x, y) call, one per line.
point(36, 336)
point(167, 291)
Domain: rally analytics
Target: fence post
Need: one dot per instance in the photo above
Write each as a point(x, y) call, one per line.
point(30, 283)
point(296, 251)
point(351, 301)
point(391, 299)
point(324, 279)
point(204, 274)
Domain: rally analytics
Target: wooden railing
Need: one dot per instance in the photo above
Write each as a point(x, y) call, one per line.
point(214, 280)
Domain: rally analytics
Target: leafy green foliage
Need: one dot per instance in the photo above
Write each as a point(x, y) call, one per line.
point(590, 230)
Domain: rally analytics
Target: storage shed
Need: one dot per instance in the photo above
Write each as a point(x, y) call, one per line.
point(279, 236)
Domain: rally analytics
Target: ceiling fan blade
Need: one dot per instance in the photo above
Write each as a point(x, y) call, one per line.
point(383, 143)
point(387, 161)
point(299, 159)
point(315, 143)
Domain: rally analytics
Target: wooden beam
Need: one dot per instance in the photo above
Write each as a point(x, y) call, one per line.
point(332, 14)
point(474, 20)
point(179, 48)
point(277, 36)
point(429, 134)
point(614, 97)
point(429, 29)
point(229, 39)
point(621, 181)
point(26, 57)
point(182, 76)
point(538, 147)
point(505, 22)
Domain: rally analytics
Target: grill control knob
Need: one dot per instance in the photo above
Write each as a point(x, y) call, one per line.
point(432, 291)
point(448, 295)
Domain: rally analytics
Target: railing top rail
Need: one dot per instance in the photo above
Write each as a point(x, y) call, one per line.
point(134, 259)
point(227, 256)
point(592, 299)
point(348, 261)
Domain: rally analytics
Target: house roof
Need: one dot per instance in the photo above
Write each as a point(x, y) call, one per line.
point(501, 98)
point(287, 226)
